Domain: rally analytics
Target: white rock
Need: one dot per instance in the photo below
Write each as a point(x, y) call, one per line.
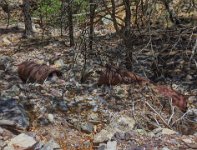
point(59, 63)
point(107, 20)
point(119, 123)
point(6, 41)
point(189, 77)
point(162, 131)
point(165, 148)
point(168, 131)
point(22, 142)
point(51, 118)
point(188, 141)
point(111, 145)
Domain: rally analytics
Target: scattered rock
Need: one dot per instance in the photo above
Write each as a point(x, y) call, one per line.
point(107, 20)
point(56, 93)
point(102, 146)
point(168, 131)
point(61, 106)
point(111, 145)
point(119, 136)
point(141, 131)
point(188, 141)
point(188, 77)
point(6, 41)
point(14, 113)
point(94, 118)
point(5, 62)
point(1, 130)
point(129, 135)
point(51, 145)
point(42, 121)
point(120, 123)
point(165, 148)
point(87, 127)
point(21, 26)
point(162, 131)
point(59, 63)
point(2, 144)
point(51, 118)
point(191, 99)
point(22, 142)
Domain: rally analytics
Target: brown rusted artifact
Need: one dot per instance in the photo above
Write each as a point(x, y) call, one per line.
point(178, 99)
point(30, 71)
point(113, 76)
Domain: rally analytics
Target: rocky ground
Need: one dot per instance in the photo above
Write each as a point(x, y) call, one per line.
point(72, 112)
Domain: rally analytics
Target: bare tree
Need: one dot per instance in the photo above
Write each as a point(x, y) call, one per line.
point(70, 21)
point(113, 16)
point(27, 19)
point(169, 7)
point(92, 15)
point(127, 35)
point(8, 7)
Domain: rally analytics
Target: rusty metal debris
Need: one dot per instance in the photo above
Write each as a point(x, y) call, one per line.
point(29, 71)
point(114, 75)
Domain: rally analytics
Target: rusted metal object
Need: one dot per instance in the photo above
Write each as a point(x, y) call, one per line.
point(29, 71)
point(178, 99)
point(113, 76)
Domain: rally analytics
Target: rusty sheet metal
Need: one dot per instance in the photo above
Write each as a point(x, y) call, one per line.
point(29, 71)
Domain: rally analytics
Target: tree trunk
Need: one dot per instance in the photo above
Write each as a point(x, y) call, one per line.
point(92, 15)
point(169, 7)
point(70, 21)
point(127, 35)
point(113, 16)
point(27, 19)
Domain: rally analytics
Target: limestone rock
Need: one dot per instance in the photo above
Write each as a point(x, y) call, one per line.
point(120, 123)
point(22, 142)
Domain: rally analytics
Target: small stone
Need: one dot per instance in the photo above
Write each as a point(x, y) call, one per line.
point(43, 121)
point(107, 21)
point(94, 118)
point(168, 131)
point(87, 144)
point(188, 141)
point(13, 113)
point(2, 144)
point(151, 134)
point(87, 127)
point(51, 118)
point(6, 41)
point(141, 131)
point(129, 135)
point(56, 93)
point(62, 106)
point(59, 63)
point(51, 145)
point(120, 123)
point(162, 131)
point(192, 99)
point(111, 145)
point(119, 136)
point(1, 130)
point(165, 148)
point(102, 146)
point(189, 77)
point(23, 142)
